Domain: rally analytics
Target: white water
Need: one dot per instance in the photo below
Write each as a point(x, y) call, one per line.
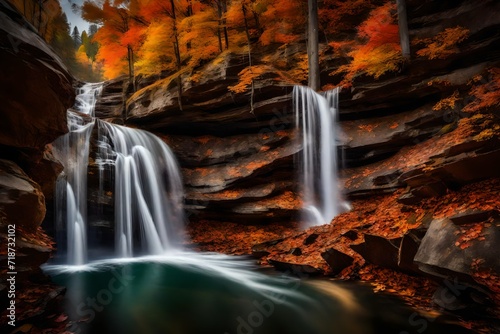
point(316, 117)
point(148, 187)
point(72, 150)
point(148, 190)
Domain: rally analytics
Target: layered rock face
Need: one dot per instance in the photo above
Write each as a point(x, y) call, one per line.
point(36, 90)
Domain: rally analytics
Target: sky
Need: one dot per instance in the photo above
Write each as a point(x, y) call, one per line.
point(74, 19)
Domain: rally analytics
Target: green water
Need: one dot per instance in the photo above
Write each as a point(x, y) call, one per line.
point(209, 294)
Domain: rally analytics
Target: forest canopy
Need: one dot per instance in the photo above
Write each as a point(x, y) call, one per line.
point(173, 38)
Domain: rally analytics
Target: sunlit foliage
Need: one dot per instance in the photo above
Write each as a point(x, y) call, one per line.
point(443, 44)
point(379, 51)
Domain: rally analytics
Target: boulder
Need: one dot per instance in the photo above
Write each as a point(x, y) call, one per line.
point(337, 260)
point(449, 250)
point(35, 87)
point(22, 202)
point(379, 250)
point(408, 249)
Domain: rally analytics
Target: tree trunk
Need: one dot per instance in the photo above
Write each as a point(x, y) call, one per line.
point(224, 23)
point(257, 23)
point(40, 6)
point(177, 55)
point(189, 13)
point(403, 29)
point(33, 12)
point(247, 31)
point(131, 75)
point(219, 24)
point(313, 54)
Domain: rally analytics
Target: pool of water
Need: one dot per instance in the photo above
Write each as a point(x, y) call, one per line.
point(196, 293)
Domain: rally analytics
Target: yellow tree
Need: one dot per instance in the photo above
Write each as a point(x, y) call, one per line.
point(201, 32)
point(165, 15)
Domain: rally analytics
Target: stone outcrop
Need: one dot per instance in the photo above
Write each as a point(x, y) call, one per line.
point(110, 105)
point(21, 200)
point(35, 90)
point(447, 251)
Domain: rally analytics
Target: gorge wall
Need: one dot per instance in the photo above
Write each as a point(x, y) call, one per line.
point(428, 169)
point(36, 90)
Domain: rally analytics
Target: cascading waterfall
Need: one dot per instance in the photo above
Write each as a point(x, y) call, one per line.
point(316, 116)
point(148, 189)
point(72, 150)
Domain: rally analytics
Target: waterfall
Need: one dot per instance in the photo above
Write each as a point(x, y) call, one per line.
point(148, 193)
point(148, 187)
point(316, 117)
point(72, 150)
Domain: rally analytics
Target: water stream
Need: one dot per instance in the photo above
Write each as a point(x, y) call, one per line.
point(316, 117)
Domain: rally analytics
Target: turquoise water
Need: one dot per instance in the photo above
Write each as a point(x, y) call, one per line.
point(209, 293)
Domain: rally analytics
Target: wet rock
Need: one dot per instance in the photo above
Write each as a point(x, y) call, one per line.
point(450, 299)
point(249, 177)
point(408, 249)
point(310, 239)
point(380, 251)
point(21, 200)
point(337, 260)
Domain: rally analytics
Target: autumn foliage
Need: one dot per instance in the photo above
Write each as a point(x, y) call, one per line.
point(379, 50)
point(485, 90)
point(443, 44)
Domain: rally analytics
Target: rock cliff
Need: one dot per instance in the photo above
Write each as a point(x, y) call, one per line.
point(36, 90)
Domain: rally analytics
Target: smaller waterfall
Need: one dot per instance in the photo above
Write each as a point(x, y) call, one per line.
point(316, 116)
point(72, 150)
